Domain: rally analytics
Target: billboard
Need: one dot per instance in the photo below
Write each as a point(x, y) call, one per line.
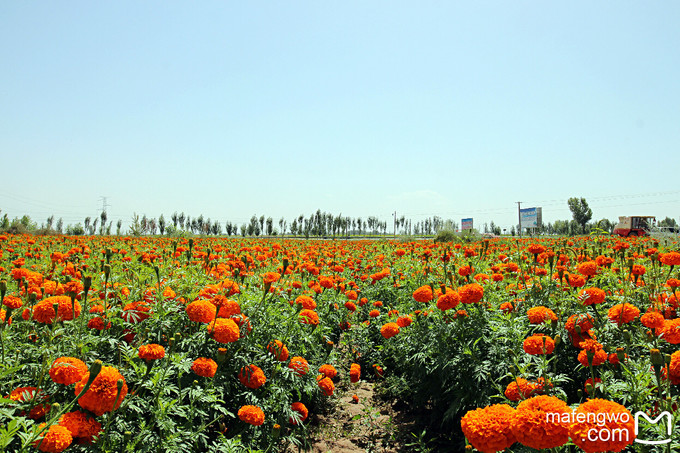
point(466, 224)
point(530, 217)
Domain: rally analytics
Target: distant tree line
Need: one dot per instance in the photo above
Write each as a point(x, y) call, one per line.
point(319, 224)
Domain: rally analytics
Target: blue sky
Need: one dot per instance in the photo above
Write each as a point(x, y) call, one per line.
point(229, 109)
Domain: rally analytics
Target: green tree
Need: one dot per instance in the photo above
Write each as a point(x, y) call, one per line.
point(580, 211)
point(669, 224)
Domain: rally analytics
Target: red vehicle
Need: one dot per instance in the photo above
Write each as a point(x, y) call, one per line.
point(634, 226)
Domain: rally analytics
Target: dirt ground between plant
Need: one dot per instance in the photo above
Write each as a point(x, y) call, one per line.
point(367, 424)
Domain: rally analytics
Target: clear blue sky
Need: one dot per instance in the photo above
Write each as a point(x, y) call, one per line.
point(229, 109)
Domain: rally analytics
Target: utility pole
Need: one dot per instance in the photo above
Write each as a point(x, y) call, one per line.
point(104, 203)
point(519, 218)
point(395, 224)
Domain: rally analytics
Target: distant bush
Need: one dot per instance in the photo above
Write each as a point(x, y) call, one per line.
point(446, 236)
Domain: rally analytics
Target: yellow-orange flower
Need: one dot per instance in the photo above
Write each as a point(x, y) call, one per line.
point(448, 300)
point(596, 415)
point(532, 426)
point(201, 311)
point(151, 352)
point(591, 296)
point(471, 293)
point(299, 365)
point(306, 302)
point(389, 330)
point(101, 396)
point(67, 370)
point(623, 313)
point(252, 376)
point(300, 409)
point(205, 367)
point(328, 370)
point(326, 385)
point(43, 311)
point(309, 317)
point(423, 294)
point(539, 344)
point(540, 314)
point(224, 330)
point(489, 429)
point(355, 372)
point(55, 440)
point(81, 426)
point(252, 415)
point(279, 350)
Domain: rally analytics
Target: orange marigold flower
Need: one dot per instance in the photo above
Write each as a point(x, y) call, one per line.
point(271, 277)
point(299, 365)
point(201, 311)
point(326, 282)
point(252, 415)
point(471, 293)
point(638, 269)
point(404, 321)
point(532, 427)
point(448, 300)
point(350, 306)
point(252, 376)
point(224, 330)
point(355, 372)
point(306, 302)
point(56, 439)
point(326, 385)
point(489, 429)
point(599, 356)
point(464, 271)
point(12, 302)
point(652, 319)
point(671, 331)
point(674, 368)
point(67, 370)
point(43, 311)
point(575, 281)
point(300, 409)
point(279, 350)
point(389, 330)
point(615, 418)
point(587, 268)
point(540, 314)
point(591, 296)
point(519, 389)
point(204, 366)
point(151, 352)
point(135, 312)
point(623, 313)
point(536, 249)
point(328, 370)
point(227, 307)
point(101, 396)
point(351, 295)
point(539, 344)
point(25, 394)
point(423, 294)
point(309, 317)
point(584, 321)
point(670, 259)
point(374, 313)
point(81, 426)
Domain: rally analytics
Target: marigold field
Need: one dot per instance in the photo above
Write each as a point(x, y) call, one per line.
point(211, 344)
